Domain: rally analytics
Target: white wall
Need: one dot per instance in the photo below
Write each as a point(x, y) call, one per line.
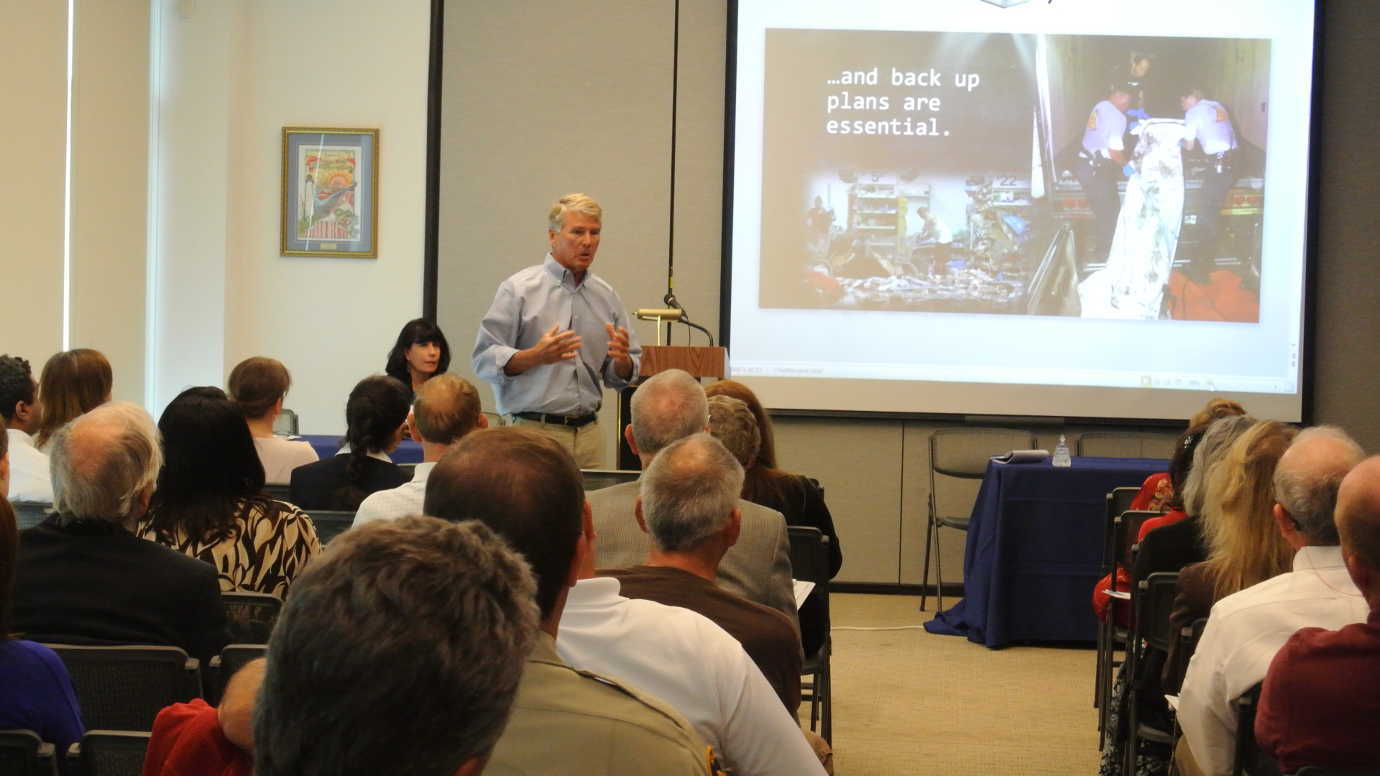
point(235, 73)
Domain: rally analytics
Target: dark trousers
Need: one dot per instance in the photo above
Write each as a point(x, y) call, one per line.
point(1216, 183)
point(1099, 181)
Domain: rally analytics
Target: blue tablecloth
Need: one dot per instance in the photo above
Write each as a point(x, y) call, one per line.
point(326, 445)
point(1034, 551)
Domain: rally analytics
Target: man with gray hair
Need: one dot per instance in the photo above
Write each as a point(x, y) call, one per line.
point(451, 600)
point(688, 503)
point(557, 334)
point(82, 577)
point(670, 406)
point(1247, 628)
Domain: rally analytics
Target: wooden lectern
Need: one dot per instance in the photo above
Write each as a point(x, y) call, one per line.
point(699, 361)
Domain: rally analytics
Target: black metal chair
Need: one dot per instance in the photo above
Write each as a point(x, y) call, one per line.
point(1151, 604)
point(286, 423)
point(28, 514)
point(1118, 544)
point(223, 666)
point(1318, 770)
point(810, 562)
point(251, 616)
point(23, 753)
point(1118, 501)
point(331, 523)
point(109, 753)
point(1249, 759)
point(1124, 444)
point(123, 688)
point(959, 456)
point(279, 491)
point(596, 479)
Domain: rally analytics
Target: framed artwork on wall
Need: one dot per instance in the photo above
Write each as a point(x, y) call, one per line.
point(330, 192)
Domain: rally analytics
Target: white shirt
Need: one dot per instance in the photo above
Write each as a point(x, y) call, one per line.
point(692, 664)
point(391, 504)
point(1209, 124)
point(29, 480)
point(1106, 125)
point(280, 456)
point(1244, 632)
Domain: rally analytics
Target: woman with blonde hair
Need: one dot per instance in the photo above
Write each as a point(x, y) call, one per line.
point(73, 383)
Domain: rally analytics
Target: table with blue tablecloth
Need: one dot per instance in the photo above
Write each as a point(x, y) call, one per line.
point(1034, 551)
point(326, 446)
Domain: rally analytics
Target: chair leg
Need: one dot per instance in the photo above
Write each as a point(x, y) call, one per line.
point(938, 571)
point(827, 710)
point(925, 574)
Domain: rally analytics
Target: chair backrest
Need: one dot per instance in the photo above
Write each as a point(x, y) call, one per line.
point(23, 753)
point(30, 513)
point(1118, 501)
point(109, 753)
point(251, 616)
point(495, 419)
point(958, 459)
point(1249, 758)
point(278, 491)
point(331, 523)
point(810, 563)
point(223, 666)
point(123, 688)
point(1125, 444)
point(1189, 636)
point(1151, 603)
point(1318, 770)
point(1128, 526)
point(286, 423)
point(596, 479)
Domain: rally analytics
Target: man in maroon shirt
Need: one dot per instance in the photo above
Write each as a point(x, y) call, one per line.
point(1320, 704)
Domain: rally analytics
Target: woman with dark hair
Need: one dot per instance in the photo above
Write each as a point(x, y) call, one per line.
point(420, 354)
point(35, 691)
point(208, 503)
point(798, 498)
point(73, 383)
point(258, 386)
point(375, 418)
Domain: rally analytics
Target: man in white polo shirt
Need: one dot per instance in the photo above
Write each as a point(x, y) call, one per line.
point(1209, 127)
point(446, 409)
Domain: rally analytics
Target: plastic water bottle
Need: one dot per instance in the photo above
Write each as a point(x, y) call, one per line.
point(1061, 453)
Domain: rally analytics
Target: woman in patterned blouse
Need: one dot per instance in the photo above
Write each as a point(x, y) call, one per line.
point(208, 502)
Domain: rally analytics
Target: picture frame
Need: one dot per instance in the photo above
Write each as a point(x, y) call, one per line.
point(329, 202)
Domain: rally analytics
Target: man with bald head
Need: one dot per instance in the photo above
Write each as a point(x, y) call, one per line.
point(1320, 704)
point(1246, 629)
point(668, 407)
point(82, 577)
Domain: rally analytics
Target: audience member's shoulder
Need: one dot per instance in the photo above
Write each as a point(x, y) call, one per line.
point(753, 511)
point(625, 706)
point(30, 658)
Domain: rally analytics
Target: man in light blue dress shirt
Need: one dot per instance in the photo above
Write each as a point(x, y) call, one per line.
point(557, 334)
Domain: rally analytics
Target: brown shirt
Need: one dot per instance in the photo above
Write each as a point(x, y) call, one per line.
point(766, 634)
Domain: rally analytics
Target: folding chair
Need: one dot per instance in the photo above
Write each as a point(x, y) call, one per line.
point(23, 753)
point(596, 479)
point(959, 456)
point(109, 753)
point(123, 688)
point(1118, 501)
point(810, 562)
point(28, 514)
point(286, 423)
point(1124, 444)
point(251, 616)
point(223, 666)
point(278, 491)
point(331, 523)
point(1151, 604)
point(1249, 759)
point(1124, 530)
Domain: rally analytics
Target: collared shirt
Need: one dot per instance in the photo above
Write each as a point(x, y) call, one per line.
point(566, 720)
point(526, 306)
point(1210, 125)
point(404, 500)
point(1106, 125)
point(686, 660)
point(1244, 632)
point(29, 478)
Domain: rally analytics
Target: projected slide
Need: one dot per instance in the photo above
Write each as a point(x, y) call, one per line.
point(1078, 208)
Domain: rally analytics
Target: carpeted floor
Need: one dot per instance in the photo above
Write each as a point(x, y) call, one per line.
point(908, 702)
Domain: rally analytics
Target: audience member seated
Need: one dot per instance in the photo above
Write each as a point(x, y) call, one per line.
point(258, 385)
point(798, 498)
point(20, 413)
point(446, 409)
point(690, 534)
point(526, 487)
point(1216, 409)
point(82, 577)
point(35, 691)
point(1320, 705)
point(72, 382)
point(1248, 627)
point(209, 502)
point(420, 354)
point(194, 738)
point(375, 419)
point(671, 406)
point(451, 601)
